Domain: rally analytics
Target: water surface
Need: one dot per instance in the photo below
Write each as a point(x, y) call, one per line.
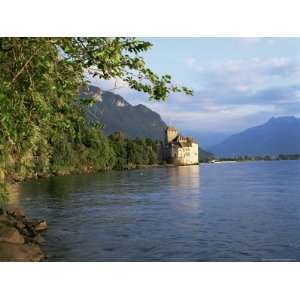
point(215, 212)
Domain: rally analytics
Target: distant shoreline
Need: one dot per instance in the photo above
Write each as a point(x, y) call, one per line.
point(247, 161)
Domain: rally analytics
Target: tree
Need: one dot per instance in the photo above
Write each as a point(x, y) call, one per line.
point(119, 146)
point(118, 58)
point(42, 126)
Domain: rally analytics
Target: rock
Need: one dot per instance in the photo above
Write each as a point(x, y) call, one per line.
point(42, 225)
point(10, 234)
point(20, 238)
point(38, 239)
point(25, 252)
point(17, 213)
point(4, 219)
point(20, 226)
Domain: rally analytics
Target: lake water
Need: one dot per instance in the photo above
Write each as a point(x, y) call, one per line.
point(215, 212)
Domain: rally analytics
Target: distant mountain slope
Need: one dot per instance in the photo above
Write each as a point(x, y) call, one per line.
point(207, 139)
point(204, 156)
point(116, 114)
point(278, 136)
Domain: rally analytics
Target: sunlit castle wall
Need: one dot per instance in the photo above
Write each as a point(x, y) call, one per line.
point(185, 155)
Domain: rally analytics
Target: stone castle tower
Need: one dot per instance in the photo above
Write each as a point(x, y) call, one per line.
point(170, 134)
point(178, 149)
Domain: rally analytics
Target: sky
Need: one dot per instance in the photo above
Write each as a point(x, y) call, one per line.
point(238, 82)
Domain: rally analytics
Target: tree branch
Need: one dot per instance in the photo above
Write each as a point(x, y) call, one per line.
point(24, 66)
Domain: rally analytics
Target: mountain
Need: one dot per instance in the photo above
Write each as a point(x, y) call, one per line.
point(277, 136)
point(116, 114)
point(204, 156)
point(207, 139)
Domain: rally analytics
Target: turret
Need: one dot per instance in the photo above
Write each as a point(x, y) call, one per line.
point(170, 134)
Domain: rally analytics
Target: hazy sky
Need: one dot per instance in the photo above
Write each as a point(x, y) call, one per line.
point(237, 82)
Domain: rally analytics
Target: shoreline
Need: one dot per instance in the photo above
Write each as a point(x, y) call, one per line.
point(20, 238)
point(14, 180)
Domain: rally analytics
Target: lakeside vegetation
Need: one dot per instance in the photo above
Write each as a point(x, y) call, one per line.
point(130, 153)
point(43, 130)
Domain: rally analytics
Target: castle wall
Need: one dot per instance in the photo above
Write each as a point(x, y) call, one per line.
point(185, 155)
point(178, 149)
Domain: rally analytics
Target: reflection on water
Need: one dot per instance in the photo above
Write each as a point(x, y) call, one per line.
point(217, 212)
point(14, 195)
point(184, 187)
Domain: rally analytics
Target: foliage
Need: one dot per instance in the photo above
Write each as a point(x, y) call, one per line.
point(42, 128)
point(119, 58)
point(130, 153)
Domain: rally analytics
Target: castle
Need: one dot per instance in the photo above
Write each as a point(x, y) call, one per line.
point(178, 149)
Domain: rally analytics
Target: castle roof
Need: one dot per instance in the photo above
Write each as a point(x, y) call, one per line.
point(180, 140)
point(171, 128)
point(183, 141)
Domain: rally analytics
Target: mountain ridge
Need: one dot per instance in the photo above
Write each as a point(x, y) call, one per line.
point(280, 135)
point(116, 114)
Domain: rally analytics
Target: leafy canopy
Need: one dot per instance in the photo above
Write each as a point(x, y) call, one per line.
point(119, 58)
point(42, 125)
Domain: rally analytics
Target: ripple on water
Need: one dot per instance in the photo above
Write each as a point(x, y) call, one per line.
point(216, 212)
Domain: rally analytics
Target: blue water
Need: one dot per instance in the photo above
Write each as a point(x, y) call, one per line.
point(215, 212)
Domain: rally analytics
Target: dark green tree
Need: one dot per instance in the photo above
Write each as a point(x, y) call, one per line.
point(42, 125)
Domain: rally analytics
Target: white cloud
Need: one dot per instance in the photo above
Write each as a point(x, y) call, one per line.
point(256, 40)
point(243, 88)
point(245, 76)
point(250, 40)
point(232, 95)
point(213, 117)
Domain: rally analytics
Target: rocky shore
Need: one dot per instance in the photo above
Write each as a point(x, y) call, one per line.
point(20, 239)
